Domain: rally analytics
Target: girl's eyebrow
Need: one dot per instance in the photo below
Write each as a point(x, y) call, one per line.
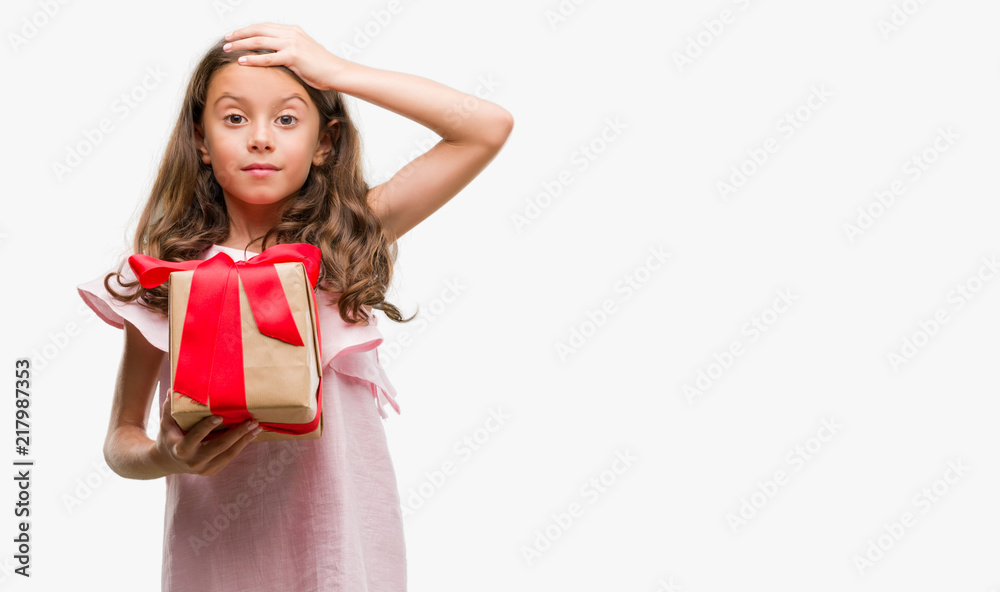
point(240, 99)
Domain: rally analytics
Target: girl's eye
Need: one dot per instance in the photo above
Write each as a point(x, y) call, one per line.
point(227, 118)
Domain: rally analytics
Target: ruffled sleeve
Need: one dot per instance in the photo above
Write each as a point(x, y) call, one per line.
point(151, 324)
point(350, 350)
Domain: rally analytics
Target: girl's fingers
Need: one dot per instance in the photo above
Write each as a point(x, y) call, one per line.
point(272, 43)
point(228, 439)
point(222, 459)
point(268, 29)
point(250, 43)
point(194, 435)
point(267, 59)
point(203, 428)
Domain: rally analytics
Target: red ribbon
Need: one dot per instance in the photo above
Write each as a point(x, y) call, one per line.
point(210, 357)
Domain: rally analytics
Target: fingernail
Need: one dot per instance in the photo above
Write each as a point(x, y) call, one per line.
point(257, 431)
point(226, 46)
point(252, 425)
point(215, 419)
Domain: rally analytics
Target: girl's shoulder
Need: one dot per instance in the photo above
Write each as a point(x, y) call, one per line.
point(114, 312)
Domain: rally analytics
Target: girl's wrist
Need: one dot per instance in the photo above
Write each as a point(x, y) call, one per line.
point(157, 459)
point(340, 70)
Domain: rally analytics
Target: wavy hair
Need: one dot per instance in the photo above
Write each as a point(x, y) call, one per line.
point(186, 211)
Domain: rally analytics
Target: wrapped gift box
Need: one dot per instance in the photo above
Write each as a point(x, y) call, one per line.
point(281, 380)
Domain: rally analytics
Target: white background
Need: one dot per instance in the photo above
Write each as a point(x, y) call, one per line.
point(597, 200)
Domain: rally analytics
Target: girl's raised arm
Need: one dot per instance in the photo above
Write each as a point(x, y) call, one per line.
point(472, 130)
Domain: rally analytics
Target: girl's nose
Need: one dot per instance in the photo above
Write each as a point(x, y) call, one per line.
point(260, 138)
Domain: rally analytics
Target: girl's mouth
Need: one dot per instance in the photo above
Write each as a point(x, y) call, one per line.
point(260, 172)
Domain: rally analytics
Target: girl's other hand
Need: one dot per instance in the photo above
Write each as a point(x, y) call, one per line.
point(194, 452)
point(295, 50)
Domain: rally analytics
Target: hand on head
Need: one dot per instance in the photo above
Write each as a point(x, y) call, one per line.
point(293, 49)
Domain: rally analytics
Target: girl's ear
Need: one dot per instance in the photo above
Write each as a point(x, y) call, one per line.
point(199, 140)
point(327, 138)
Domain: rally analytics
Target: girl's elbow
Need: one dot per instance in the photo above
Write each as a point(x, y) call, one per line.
point(111, 455)
point(500, 128)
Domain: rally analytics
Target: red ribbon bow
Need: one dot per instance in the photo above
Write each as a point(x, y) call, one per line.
point(210, 357)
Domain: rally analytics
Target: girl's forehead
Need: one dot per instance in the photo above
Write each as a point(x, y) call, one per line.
point(254, 84)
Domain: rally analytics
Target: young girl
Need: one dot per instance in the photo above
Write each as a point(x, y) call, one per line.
point(264, 152)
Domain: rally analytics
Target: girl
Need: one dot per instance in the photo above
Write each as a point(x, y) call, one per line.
point(264, 152)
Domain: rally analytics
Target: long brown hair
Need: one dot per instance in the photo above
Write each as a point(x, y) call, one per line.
point(186, 212)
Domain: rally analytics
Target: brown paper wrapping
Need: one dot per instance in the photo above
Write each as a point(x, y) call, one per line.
point(281, 379)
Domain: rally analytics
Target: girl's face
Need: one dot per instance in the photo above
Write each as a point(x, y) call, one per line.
point(259, 116)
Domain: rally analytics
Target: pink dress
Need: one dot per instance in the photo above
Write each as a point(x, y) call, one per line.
point(307, 515)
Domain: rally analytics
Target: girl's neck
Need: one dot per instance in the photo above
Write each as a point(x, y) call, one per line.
point(246, 221)
point(241, 245)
